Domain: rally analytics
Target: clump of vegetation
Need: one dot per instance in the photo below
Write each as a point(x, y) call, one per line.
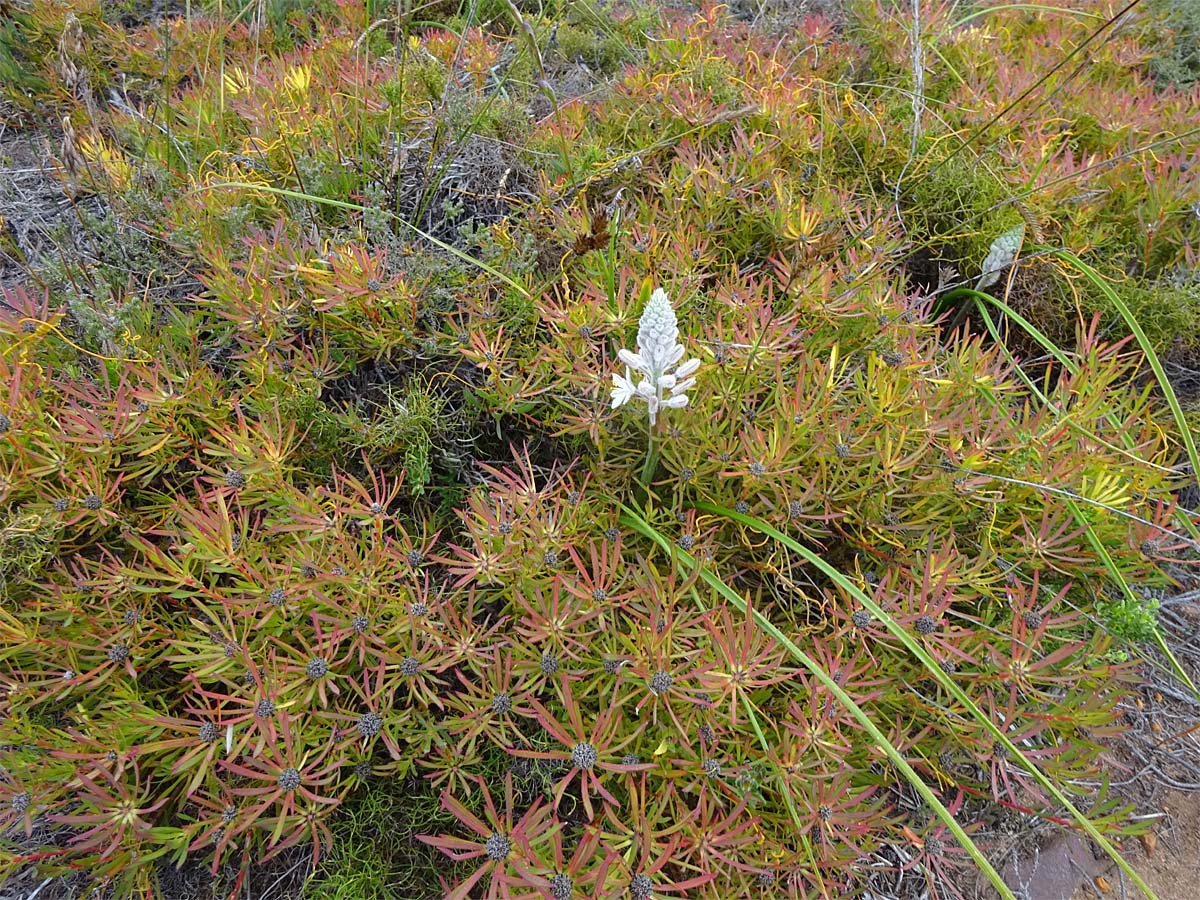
point(335, 517)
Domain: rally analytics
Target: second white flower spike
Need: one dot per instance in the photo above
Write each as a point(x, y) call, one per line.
point(658, 352)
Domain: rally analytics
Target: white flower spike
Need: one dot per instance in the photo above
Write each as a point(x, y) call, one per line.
point(658, 352)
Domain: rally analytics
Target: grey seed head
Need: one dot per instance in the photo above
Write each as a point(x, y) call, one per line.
point(641, 887)
point(370, 724)
point(247, 676)
point(376, 509)
point(686, 542)
point(62, 504)
point(795, 509)
point(229, 814)
point(613, 666)
point(758, 470)
point(142, 406)
point(724, 457)
point(111, 756)
point(631, 759)
point(277, 597)
point(497, 847)
point(418, 609)
point(891, 358)
point(5, 423)
point(505, 528)
point(660, 682)
point(68, 675)
point(360, 624)
point(599, 595)
point(307, 571)
point(562, 887)
point(1031, 619)
point(232, 650)
point(612, 534)
point(235, 479)
point(209, 732)
point(502, 703)
point(550, 558)
point(841, 451)
point(410, 666)
point(707, 735)
point(362, 770)
point(415, 557)
point(925, 625)
point(289, 779)
point(948, 666)
point(373, 284)
point(574, 497)
point(766, 879)
point(218, 835)
point(861, 618)
point(132, 617)
point(712, 768)
point(584, 755)
point(585, 332)
point(686, 475)
point(338, 571)
point(824, 813)
point(265, 708)
point(92, 502)
point(741, 507)
point(316, 668)
point(118, 653)
point(549, 663)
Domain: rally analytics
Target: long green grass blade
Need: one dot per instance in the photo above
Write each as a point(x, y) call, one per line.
point(1116, 576)
point(942, 678)
point(1101, 284)
point(356, 207)
point(981, 300)
point(635, 521)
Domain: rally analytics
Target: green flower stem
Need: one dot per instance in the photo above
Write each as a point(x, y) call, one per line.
point(651, 464)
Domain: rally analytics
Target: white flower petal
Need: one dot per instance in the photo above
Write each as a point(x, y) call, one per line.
point(657, 332)
point(658, 350)
point(623, 389)
point(633, 360)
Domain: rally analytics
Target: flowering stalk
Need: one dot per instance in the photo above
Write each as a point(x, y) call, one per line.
point(659, 351)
